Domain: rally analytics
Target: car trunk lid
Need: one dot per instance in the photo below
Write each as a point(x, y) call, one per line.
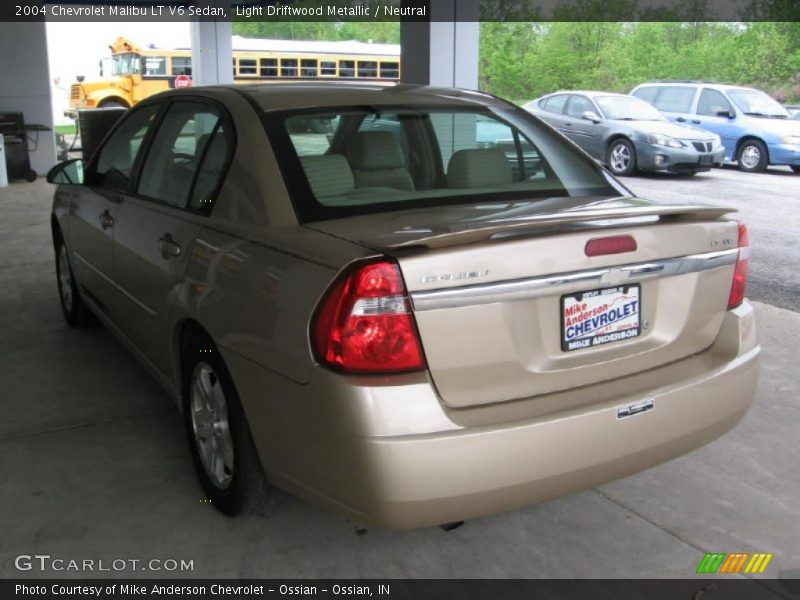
point(494, 290)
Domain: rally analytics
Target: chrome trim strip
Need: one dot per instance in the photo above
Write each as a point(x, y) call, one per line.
point(111, 282)
point(523, 289)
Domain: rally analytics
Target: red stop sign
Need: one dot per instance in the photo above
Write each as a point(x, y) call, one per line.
point(183, 81)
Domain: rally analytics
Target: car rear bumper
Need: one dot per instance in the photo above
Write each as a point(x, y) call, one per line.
point(395, 457)
point(676, 160)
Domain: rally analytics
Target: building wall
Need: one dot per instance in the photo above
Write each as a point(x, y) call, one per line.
point(25, 85)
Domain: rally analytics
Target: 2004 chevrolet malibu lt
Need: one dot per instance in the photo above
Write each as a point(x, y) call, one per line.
point(408, 305)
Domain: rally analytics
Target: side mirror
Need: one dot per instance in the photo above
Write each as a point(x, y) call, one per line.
point(67, 173)
point(592, 116)
point(728, 114)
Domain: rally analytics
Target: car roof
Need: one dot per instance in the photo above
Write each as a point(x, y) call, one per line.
point(288, 96)
point(589, 93)
point(708, 84)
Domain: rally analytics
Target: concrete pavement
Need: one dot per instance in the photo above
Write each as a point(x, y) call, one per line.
point(94, 465)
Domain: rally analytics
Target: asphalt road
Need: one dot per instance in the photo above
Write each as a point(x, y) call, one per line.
point(770, 205)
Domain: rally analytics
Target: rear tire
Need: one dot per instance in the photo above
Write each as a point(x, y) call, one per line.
point(795, 168)
point(752, 157)
point(621, 158)
point(220, 441)
point(76, 313)
point(30, 175)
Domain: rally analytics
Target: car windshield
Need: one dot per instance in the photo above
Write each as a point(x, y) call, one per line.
point(359, 160)
point(124, 64)
point(756, 102)
point(628, 108)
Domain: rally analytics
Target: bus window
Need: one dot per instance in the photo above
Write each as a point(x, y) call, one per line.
point(248, 66)
point(181, 65)
point(327, 68)
point(288, 67)
point(347, 68)
point(155, 65)
point(269, 67)
point(308, 67)
point(124, 64)
point(234, 67)
point(390, 70)
point(367, 68)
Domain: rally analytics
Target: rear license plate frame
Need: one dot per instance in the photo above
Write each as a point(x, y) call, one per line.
point(706, 160)
point(586, 307)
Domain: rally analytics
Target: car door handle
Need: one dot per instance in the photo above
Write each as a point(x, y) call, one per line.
point(106, 220)
point(695, 121)
point(168, 247)
point(680, 120)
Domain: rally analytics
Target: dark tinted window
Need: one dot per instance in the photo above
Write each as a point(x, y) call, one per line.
point(347, 68)
point(308, 67)
point(711, 102)
point(115, 161)
point(554, 104)
point(247, 66)
point(675, 99)
point(390, 70)
point(367, 68)
point(327, 67)
point(176, 152)
point(578, 105)
point(269, 67)
point(288, 67)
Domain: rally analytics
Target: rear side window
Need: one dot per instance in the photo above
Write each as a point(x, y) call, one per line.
point(712, 102)
point(116, 157)
point(675, 99)
point(190, 140)
point(554, 104)
point(407, 157)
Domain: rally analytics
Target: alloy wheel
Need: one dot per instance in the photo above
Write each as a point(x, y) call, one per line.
point(620, 158)
point(64, 277)
point(210, 425)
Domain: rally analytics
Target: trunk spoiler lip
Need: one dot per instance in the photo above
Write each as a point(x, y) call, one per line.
point(477, 231)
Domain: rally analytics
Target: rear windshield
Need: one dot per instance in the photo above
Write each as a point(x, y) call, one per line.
point(358, 160)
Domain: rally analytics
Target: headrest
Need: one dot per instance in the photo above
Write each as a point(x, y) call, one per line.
point(375, 150)
point(478, 167)
point(328, 175)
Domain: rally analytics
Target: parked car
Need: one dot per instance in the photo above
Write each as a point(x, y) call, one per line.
point(628, 134)
point(407, 337)
point(755, 129)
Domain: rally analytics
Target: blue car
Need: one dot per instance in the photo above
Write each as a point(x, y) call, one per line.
point(756, 130)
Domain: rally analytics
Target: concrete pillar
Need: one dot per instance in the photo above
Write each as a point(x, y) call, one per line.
point(25, 87)
point(212, 53)
point(444, 51)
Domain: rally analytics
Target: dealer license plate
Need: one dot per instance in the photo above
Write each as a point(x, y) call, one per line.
point(601, 316)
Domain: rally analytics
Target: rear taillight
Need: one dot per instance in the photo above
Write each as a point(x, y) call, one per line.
point(364, 323)
point(739, 285)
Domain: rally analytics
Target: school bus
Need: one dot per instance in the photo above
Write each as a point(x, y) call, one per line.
point(138, 72)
